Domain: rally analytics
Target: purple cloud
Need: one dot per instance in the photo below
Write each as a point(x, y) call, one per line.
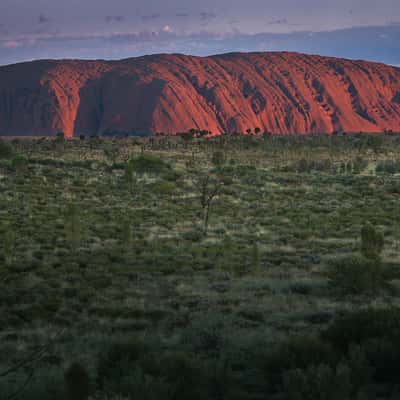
point(150, 17)
point(42, 19)
point(117, 18)
point(205, 16)
point(282, 21)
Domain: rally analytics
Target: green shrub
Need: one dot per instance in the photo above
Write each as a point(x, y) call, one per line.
point(384, 355)
point(138, 384)
point(130, 369)
point(205, 336)
point(19, 163)
point(363, 325)
point(45, 384)
point(126, 236)
point(371, 338)
point(9, 241)
point(115, 364)
point(218, 158)
point(320, 382)
point(185, 375)
point(297, 353)
point(359, 165)
point(372, 242)
point(348, 379)
point(172, 176)
point(6, 150)
point(355, 275)
point(193, 235)
point(307, 166)
point(389, 167)
point(165, 188)
point(77, 382)
point(60, 136)
point(148, 164)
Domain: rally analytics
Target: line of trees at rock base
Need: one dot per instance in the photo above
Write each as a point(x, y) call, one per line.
point(204, 133)
point(199, 133)
point(191, 133)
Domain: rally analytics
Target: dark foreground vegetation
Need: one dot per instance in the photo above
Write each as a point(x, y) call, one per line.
point(184, 268)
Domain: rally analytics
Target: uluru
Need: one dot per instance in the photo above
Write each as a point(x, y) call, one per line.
point(278, 92)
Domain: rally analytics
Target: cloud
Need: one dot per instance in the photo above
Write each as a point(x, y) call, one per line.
point(167, 29)
point(42, 19)
point(114, 18)
point(347, 43)
point(282, 21)
point(11, 44)
point(182, 15)
point(205, 16)
point(150, 17)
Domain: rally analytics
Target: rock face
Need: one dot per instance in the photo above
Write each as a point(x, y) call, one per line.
point(277, 92)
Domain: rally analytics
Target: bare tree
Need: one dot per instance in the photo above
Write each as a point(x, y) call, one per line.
point(209, 188)
point(130, 176)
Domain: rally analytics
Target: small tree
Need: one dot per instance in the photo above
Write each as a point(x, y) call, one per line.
point(72, 225)
point(187, 137)
point(60, 137)
point(59, 142)
point(209, 188)
point(19, 163)
point(257, 130)
point(130, 176)
point(266, 134)
point(372, 242)
point(204, 132)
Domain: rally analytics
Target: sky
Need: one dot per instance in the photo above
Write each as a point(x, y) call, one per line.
point(114, 29)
